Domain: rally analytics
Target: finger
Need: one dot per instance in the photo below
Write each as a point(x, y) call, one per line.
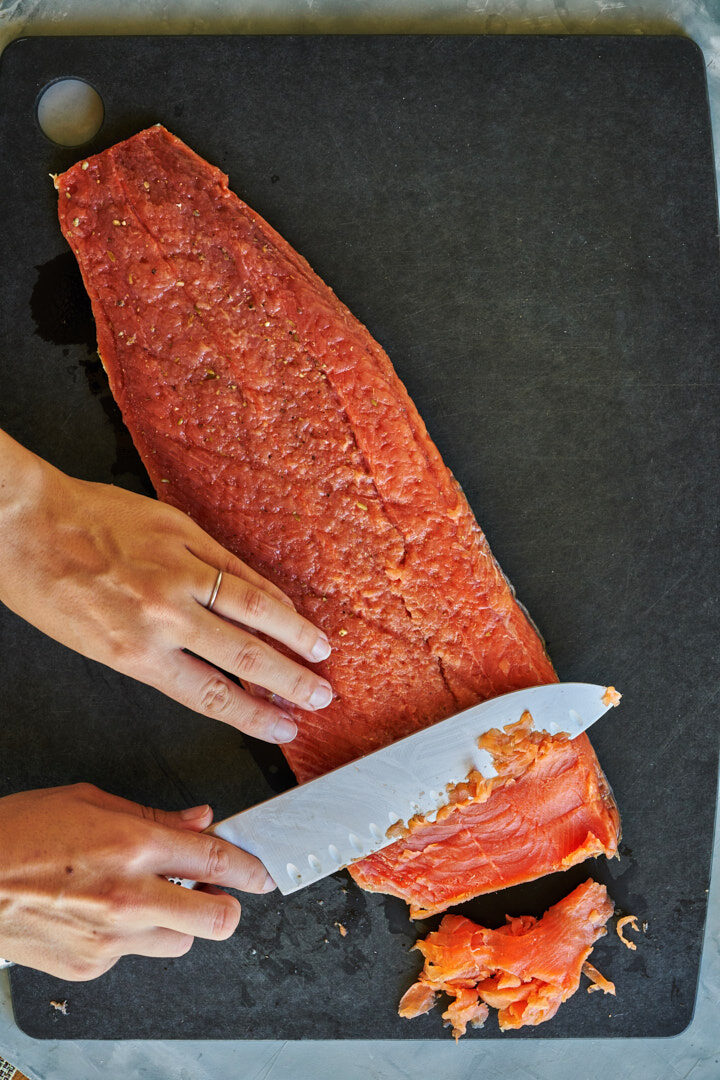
point(190, 911)
point(208, 859)
point(246, 603)
point(194, 818)
point(259, 691)
point(212, 890)
point(235, 650)
point(158, 942)
point(207, 550)
point(253, 578)
point(206, 690)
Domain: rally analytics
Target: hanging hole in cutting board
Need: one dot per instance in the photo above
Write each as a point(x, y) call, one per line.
point(69, 111)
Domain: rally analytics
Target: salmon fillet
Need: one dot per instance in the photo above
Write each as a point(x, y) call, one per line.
point(525, 969)
point(262, 408)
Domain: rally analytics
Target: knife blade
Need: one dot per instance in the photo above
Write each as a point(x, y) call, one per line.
point(312, 830)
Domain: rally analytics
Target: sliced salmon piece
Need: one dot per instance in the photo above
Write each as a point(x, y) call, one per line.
point(261, 407)
point(525, 969)
point(548, 809)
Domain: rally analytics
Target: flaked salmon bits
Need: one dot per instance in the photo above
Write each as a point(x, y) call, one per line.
point(525, 969)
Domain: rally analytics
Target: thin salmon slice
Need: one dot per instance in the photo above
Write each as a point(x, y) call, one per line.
point(261, 407)
point(525, 969)
point(549, 808)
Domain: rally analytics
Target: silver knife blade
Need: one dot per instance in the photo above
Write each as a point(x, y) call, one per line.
point(319, 827)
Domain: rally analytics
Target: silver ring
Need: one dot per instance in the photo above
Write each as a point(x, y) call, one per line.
point(216, 590)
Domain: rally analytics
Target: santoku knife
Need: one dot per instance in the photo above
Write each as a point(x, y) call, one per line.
point(317, 828)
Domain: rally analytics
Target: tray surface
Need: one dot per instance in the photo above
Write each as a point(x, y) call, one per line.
point(528, 225)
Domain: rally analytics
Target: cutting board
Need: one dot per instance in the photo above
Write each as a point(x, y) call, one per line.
point(529, 227)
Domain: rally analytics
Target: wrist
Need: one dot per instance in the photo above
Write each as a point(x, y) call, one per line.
point(26, 483)
point(24, 478)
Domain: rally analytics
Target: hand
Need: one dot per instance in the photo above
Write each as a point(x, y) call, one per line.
point(125, 580)
point(81, 880)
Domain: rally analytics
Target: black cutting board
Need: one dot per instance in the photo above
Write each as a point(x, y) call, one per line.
point(529, 227)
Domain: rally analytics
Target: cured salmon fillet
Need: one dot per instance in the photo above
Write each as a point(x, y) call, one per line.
point(525, 969)
point(261, 407)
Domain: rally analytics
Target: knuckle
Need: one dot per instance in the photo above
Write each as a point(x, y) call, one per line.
point(301, 687)
point(178, 519)
point(134, 853)
point(249, 658)
point(130, 844)
point(224, 918)
point(85, 791)
point(149, 813)
point(106, 944)
point(78, 971)
point(254, 604)
point(305, 638)
point(123, 651)
point(254, 877)
point(118, 902)
point(254, 719)
point(217, 860)
point(216, 696)
point(81, 970)
point(156, 607)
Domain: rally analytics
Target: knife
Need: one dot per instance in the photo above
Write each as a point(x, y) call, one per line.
point(319, 827)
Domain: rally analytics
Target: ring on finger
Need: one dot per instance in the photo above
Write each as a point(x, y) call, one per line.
point(215, 590)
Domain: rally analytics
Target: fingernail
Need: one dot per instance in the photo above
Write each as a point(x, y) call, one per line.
point(268, 885)
point(321, 649)
point(321, 696)
point(285, 730)
point(194, 813)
